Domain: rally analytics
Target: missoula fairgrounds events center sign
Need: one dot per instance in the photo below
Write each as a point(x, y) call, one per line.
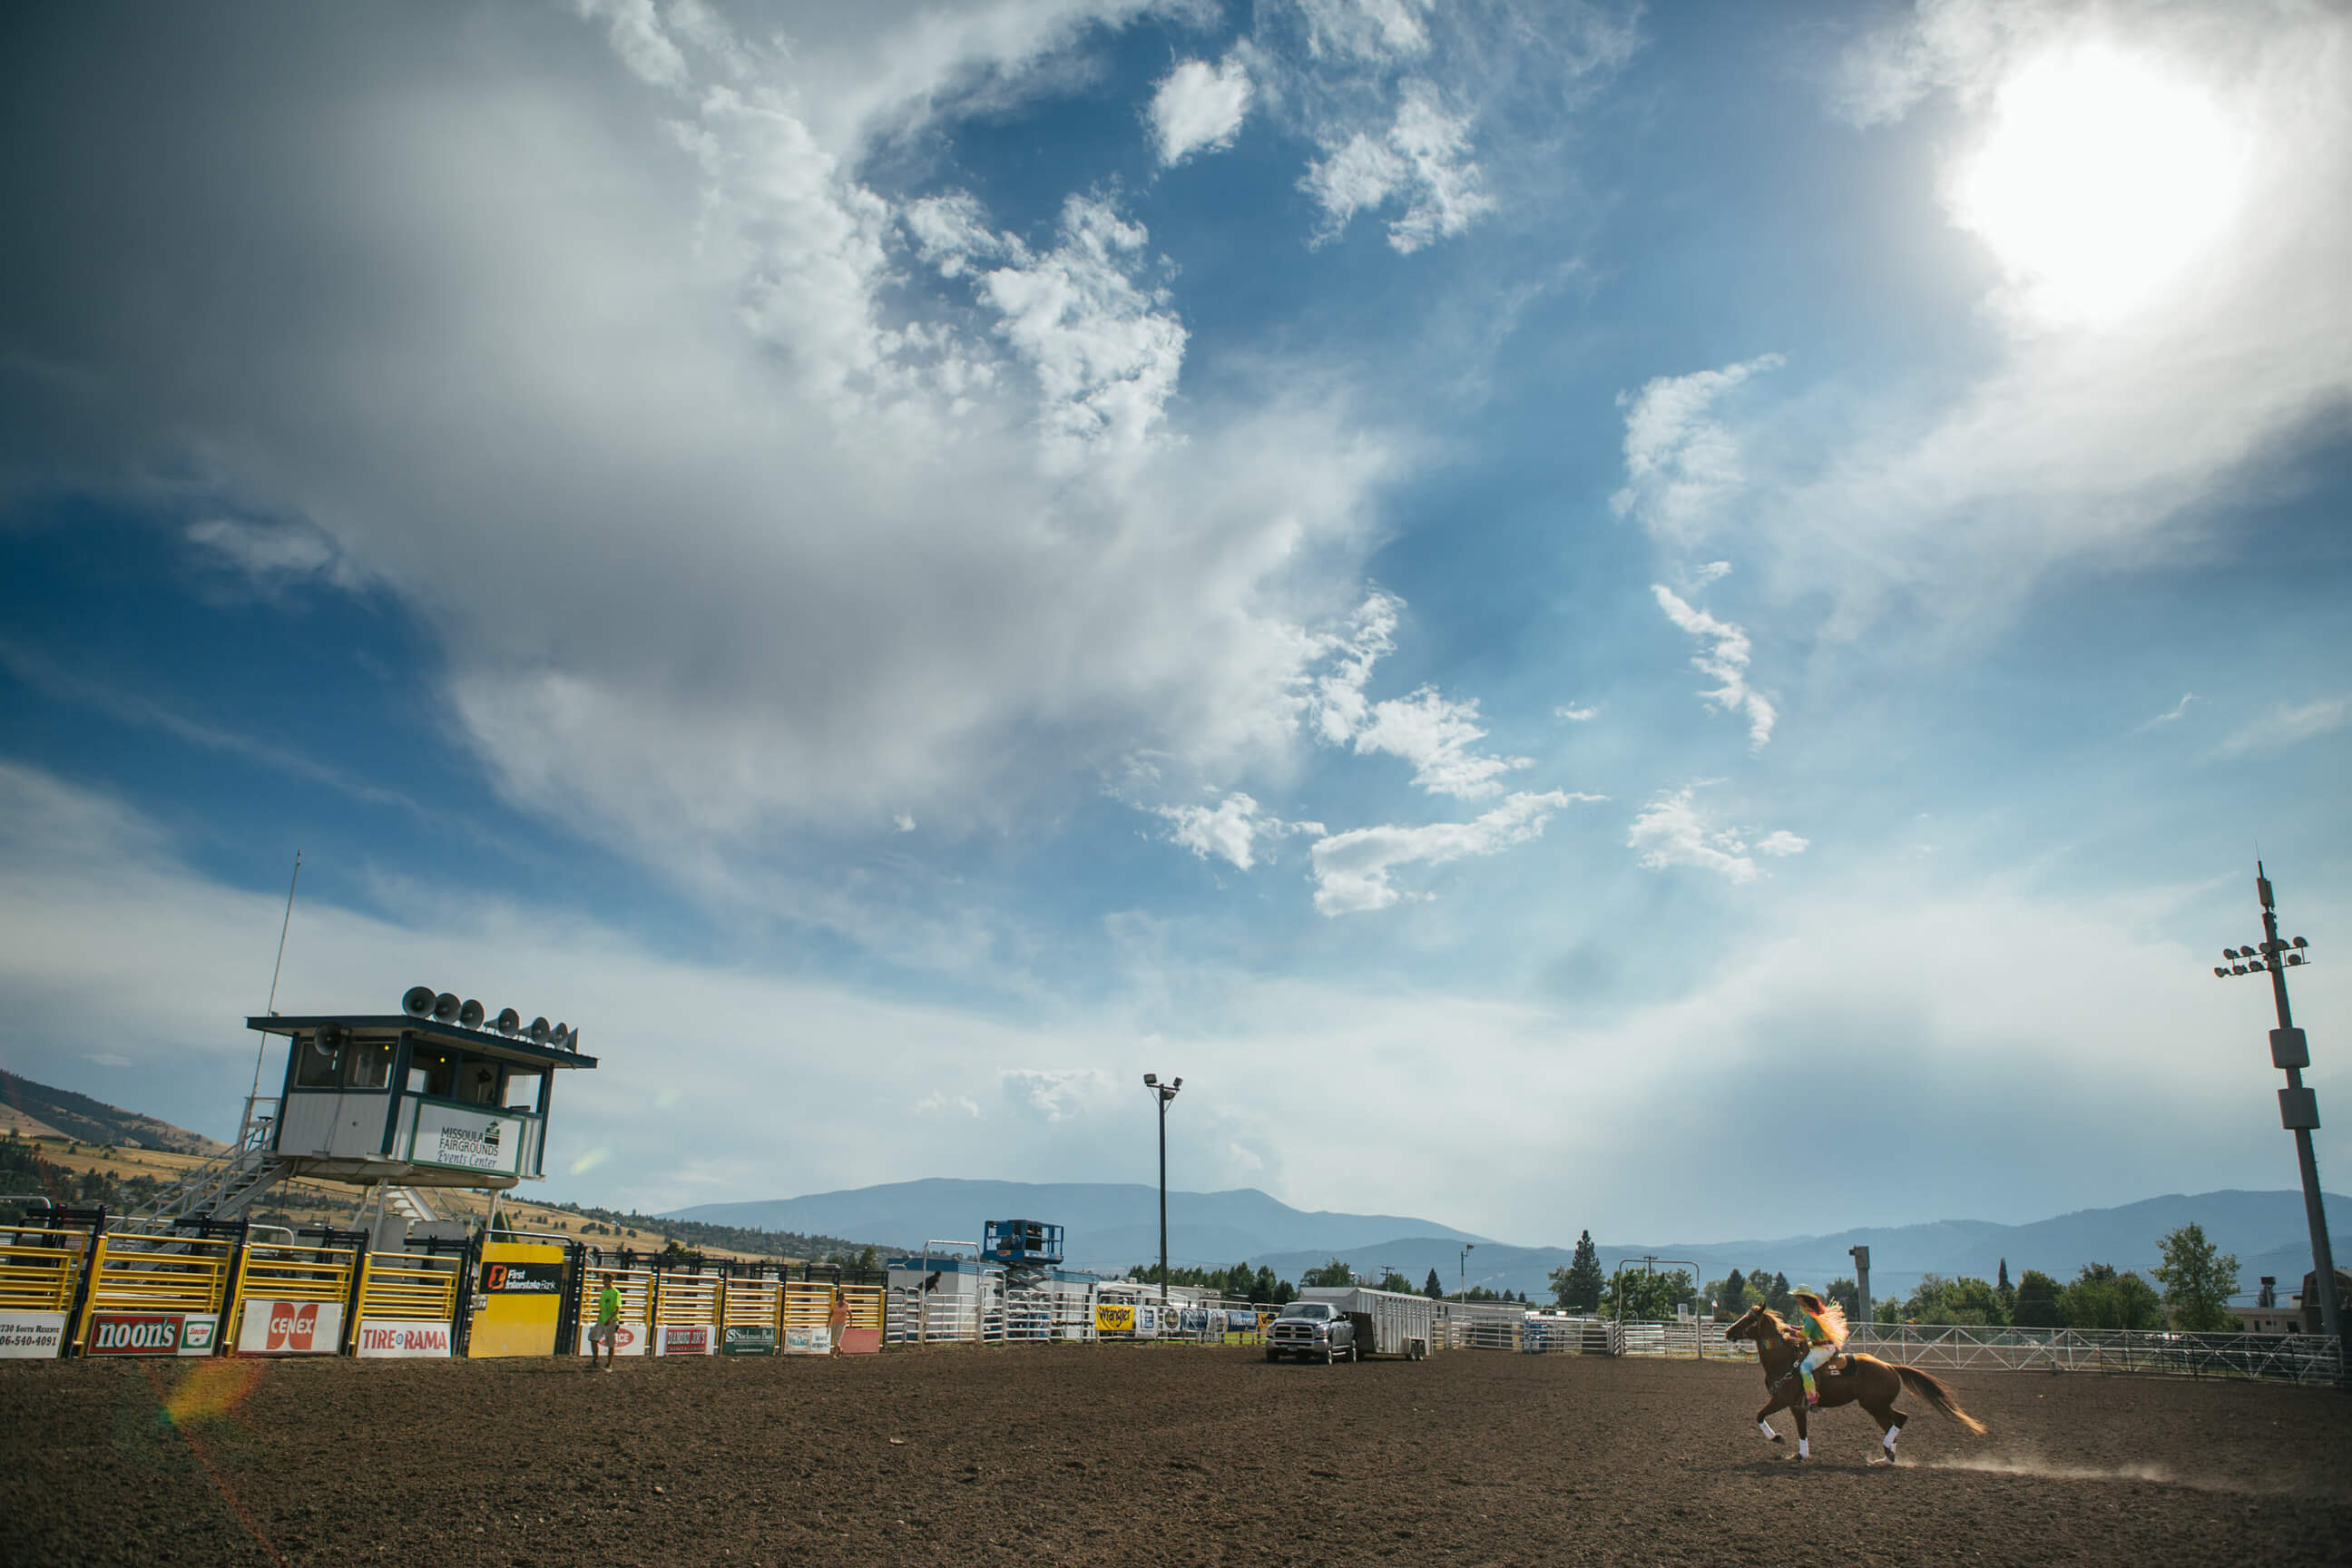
point(466, 1137)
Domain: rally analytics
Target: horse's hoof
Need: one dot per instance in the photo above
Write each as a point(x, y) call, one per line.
point(1776, 1437)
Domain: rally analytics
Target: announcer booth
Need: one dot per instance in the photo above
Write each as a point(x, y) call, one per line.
point(437, 1095)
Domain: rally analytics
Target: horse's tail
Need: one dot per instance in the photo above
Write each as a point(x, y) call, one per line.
point(1933, 1390)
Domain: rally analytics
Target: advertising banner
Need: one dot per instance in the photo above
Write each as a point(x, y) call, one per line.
point(628, 1339)
point(400, 1337)
point(687, 1339)
point(520, 1296)
point(290, 1328)
point(1114, 1318)
point(1147, 1320)
point(465, 1139)
point(808, 1342)
point(31, 1336)
point(749, 1338)
point(153, 1334)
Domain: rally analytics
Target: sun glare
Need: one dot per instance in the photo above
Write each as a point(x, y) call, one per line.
point(2102, 182)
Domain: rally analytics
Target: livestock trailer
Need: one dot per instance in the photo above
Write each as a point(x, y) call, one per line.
point(1388, 1322)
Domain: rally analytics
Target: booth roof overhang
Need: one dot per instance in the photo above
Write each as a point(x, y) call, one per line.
point(480, 1042)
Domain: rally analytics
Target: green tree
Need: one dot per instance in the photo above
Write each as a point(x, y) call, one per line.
point(1432, 1288)
point(1777, 1296)
point(1847, 1297)
point(1578, 1286)
point(1647, 1296)
point(2037, 1302)
point(2100, 1297)
point(1731, 1295)
point(1394, 1281)
point(1335, 1272)
point(1966, 1300)
point(2198, 1278)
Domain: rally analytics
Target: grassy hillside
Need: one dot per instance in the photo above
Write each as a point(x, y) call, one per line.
point(80, 1119)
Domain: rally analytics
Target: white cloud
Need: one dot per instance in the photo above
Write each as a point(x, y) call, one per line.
point(938, 1102)
point(2168, 323)
point(735, 530)
point(1574, 714)
point(1672, 831)
point(272, 556)
point(1054, 1094)
point(1199, 108)
point(1367, 29)
point(2285, 726)
point(902, 822)
point(1426, 729)
point(636, 32)
point(2173, 714)
point(1105, 350)
point(1681, 466)
point(1230, 830)
point(1423, 161)
point(1725, 658)
point(1351, 869)
point(2130, 1096)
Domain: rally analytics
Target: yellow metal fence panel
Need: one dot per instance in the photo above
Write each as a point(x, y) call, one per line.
point(637, 1288)
point(752, 1317)
point(290, 1300)
point(156, 1295)
point(685, 1315)
point(408, 1305)
point(40, 1268)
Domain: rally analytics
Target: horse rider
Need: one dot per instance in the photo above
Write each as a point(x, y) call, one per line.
point(1824, 1331)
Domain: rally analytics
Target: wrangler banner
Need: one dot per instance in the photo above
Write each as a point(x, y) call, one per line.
point(1114, 1318)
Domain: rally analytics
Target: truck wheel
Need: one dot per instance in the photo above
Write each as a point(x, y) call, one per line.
point(1330, 1355)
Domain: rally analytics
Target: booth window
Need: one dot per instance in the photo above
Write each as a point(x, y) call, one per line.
point(432, 1071)
point(523, 1088)
point(368, 1064)
point(479, 1086)
point(317, 1065)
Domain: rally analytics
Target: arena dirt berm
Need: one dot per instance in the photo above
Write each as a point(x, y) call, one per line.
point(1135, 1454)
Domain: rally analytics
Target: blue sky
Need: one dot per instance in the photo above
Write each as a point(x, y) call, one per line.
point(1576, 613)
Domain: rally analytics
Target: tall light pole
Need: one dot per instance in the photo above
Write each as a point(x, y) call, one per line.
point(2298, 1106)
point(1462, 1266)
point(1163, 1094)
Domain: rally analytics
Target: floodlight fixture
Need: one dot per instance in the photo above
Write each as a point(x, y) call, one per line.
point(2221, 972)
point(1151, 1080)
point(2299, 943)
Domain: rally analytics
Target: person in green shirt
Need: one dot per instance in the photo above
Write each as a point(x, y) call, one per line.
point(606, 1329)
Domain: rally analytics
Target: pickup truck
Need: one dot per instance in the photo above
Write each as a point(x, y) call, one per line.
point(1311, 1331)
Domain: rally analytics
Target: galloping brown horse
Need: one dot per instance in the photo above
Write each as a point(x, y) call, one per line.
point(1863, 1380)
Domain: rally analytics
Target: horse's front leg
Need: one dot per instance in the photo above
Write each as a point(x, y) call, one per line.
point(1764, 1416)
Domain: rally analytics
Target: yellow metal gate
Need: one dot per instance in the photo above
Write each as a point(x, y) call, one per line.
point(685, 1315)
point(41, 1270)
point(752, 1316)
point(637, 1288)
point(408, 1305)
point(156, 1295)
point(290, 1300)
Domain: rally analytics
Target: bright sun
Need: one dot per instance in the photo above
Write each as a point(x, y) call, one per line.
point(2104, 179)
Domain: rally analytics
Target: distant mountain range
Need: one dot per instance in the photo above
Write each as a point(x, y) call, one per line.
point(36, 1110)
point(1116, 1226)
point(1106, 1225)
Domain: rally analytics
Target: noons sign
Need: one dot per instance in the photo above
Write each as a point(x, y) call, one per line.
point(152, 1333)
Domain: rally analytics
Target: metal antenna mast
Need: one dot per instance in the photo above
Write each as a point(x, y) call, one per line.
point(271, 1008)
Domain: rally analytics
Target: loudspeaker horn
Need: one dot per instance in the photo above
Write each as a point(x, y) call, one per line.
point(471, 1014)
point(445, 1006)
point(563, 1038)
point(418, 1002)
point(538, 1031)
point(509, 1021)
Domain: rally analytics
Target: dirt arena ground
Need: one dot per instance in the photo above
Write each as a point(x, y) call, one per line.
point(1134, 1454)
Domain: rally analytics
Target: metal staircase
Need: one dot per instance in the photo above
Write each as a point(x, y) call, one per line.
point(229, 1183)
